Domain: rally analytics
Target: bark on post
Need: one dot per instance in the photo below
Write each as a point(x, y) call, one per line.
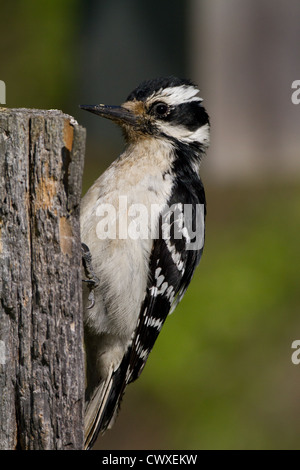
point(41, 332)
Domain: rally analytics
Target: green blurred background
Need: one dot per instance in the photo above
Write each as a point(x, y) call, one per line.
point(220, 375)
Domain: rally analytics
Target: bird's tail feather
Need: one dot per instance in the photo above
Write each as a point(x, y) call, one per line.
point(94, 411)
point(103, 405)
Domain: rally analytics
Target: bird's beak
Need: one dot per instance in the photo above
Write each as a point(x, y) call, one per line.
point(119, 114)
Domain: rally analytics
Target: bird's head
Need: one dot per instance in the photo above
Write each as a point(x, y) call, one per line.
point(161, 108)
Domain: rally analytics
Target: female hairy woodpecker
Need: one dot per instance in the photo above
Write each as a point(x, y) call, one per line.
point(142, 228)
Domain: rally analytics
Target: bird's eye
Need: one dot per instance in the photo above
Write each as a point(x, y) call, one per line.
point(160, 109)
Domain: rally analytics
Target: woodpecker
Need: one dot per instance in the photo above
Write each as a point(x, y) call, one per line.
point(134, 282)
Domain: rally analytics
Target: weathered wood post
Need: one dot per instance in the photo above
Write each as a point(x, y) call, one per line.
point(41, 332)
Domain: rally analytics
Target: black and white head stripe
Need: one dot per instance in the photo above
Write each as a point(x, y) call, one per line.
point(150, 88)
point(176, 108)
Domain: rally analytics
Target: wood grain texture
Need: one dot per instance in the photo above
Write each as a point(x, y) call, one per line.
point(41, 331)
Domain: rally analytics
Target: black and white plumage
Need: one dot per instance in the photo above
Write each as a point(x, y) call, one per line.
point(141, 280)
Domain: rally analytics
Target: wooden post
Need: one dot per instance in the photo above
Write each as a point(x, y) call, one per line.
point(41, 331)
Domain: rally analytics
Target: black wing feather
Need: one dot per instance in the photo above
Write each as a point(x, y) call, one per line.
point(159, 302)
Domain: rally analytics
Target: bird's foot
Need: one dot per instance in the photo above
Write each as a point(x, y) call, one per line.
point(92, 280)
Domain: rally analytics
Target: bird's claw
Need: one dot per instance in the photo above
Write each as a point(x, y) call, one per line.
point(91, 298)
point(92, 280)
point(92, 284)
